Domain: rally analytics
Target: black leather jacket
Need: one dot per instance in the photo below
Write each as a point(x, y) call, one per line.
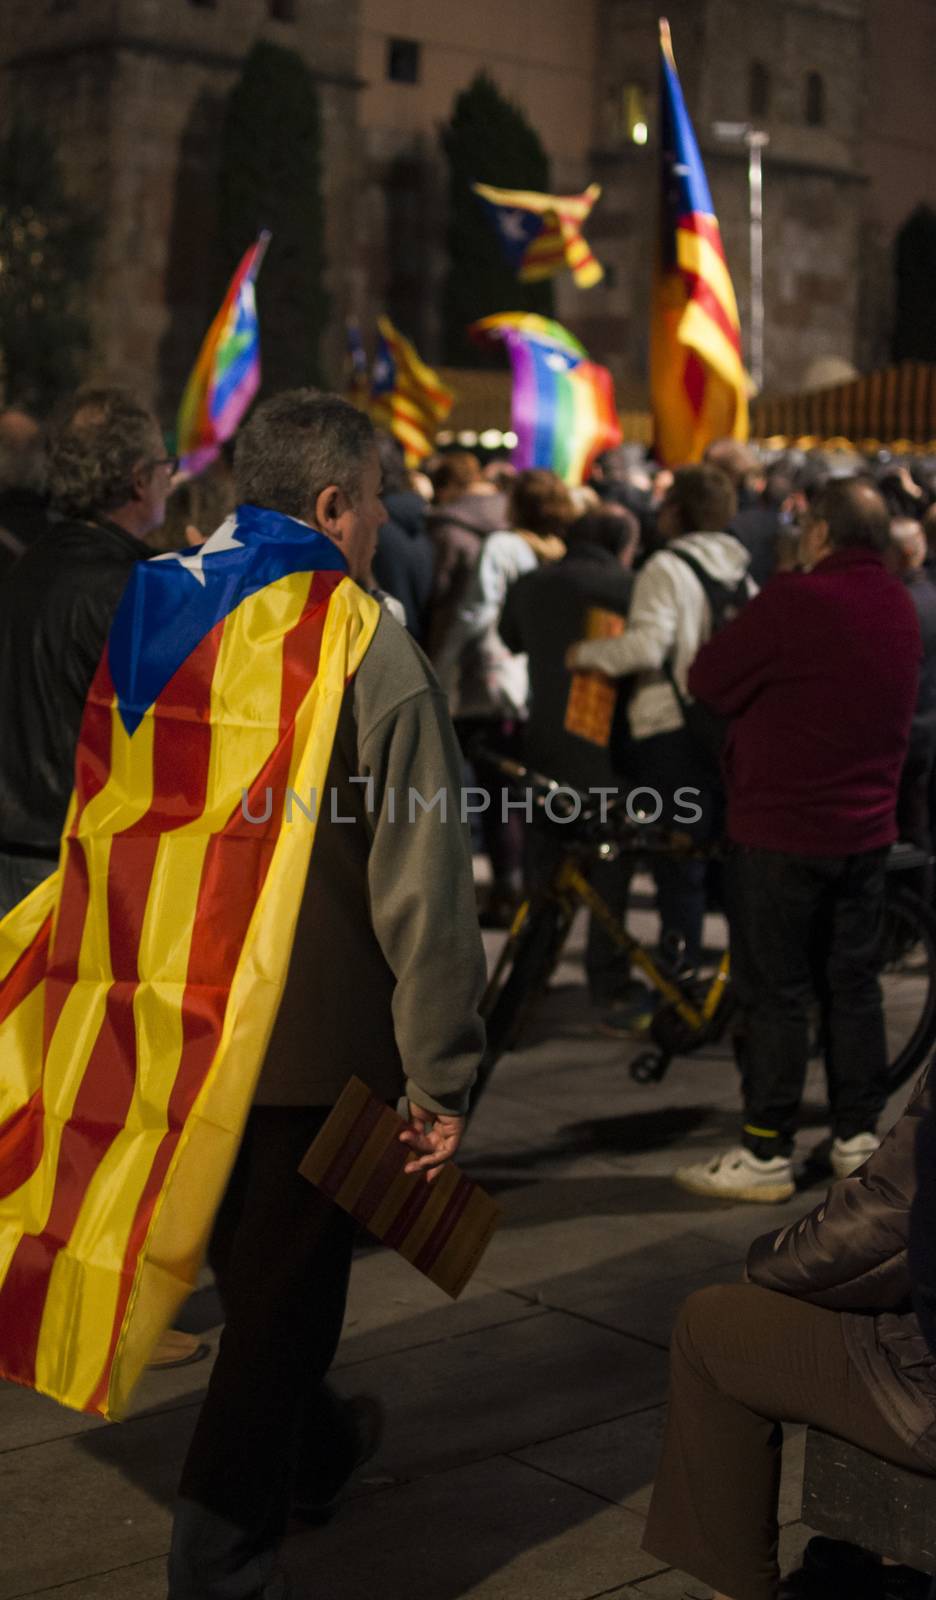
point(850, 1254)
point(56, 608)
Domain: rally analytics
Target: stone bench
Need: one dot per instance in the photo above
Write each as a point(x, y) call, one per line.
point(850, 1495)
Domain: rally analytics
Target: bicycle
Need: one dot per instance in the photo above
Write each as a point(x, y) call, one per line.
point(691, 1011)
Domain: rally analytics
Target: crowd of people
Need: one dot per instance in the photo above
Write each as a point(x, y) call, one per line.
point(768, 629)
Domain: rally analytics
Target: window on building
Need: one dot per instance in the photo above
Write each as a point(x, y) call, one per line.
point(759, 89)
point(282, 10)
point(627, 114)
point(403, 60)
point(815, 100)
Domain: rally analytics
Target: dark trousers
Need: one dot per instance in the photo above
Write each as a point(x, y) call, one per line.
point(270, 1427)
point(607, 968)
point(742, 1360)
point(501, 826)
point(666, 764)
point(805, 928)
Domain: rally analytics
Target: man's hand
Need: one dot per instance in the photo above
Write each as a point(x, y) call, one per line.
point(433, 1138)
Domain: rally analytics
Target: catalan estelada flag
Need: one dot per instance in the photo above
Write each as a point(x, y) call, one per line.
point(541, 234)
point(358, 390)
point(139, 984)
point(699, 387)
point(562, 403)
point(407, 397)
point(226, 375)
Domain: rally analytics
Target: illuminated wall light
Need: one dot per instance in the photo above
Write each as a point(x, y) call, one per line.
point(491, 439)
point(640, 133)
point(510, 441)
point(468, 438)
point(445, 437)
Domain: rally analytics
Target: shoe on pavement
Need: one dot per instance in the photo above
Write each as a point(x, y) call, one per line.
point(365, 1417)
point(176, 1349)
point(738, 1174)
point(847, 1155)
point(629, 1019)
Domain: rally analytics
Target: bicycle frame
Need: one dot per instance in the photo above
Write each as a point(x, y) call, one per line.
point(570, 887)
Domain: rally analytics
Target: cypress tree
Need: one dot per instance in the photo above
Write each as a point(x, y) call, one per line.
point(46, 250)
point(915, 261)
point(271, 178)
point(488, 140)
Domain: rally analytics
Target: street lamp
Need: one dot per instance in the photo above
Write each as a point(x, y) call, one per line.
point(755, 139)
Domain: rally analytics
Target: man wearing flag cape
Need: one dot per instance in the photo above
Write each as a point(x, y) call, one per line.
point(248, 910)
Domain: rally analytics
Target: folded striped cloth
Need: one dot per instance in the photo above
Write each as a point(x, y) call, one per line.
point(442, 1228)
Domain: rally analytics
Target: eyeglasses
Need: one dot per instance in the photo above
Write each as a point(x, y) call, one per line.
point(172, 462)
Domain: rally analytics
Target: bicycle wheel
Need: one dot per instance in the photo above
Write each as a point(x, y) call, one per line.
point(908, 981)
point(525, 974)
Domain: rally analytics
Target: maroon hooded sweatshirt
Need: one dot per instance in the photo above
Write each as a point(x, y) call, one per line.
point(819, 676)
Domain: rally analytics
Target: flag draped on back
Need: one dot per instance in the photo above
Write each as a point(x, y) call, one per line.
point(697, 379)
point(407, 397)
point(541, 234)
point(139, 985)
point(562, 403)
point(226, 375)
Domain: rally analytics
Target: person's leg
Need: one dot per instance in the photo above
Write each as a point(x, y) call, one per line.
point(857, 1047)
point(607, 969)
point(743, 1360)
point(772, 902)
point(666, 769)
point(282, 1255)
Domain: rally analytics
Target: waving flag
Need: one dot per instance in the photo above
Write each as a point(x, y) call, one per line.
point(407, 397)
point(139, 985)
point(226, 375)
point(541, 234)
point(562, 404)
point(358, 378)
point(698, 384)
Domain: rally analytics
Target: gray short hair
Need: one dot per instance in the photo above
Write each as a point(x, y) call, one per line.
point(295, 445)
point(99, 441)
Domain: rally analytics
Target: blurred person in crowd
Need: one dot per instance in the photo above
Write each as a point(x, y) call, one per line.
point(819, 675)
point(23, 488)
point(467, 507)
point(486, 683)
point(546, 611)
point(195, 508)
point(914, 802)
point(902, 495)
point(670, 618)
point(109, 479)
point(500, 472)
point(757, 521)
point(404, 558)
point(835, 1326)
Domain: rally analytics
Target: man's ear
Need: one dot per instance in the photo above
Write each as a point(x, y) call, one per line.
point(139, 482)
point(329, 507)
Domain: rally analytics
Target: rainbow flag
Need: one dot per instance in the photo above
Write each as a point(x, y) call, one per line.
point(407, 397)
point(541, 234)
point(698, 384)
point(562, 405)
point(139, 985)
point(226, 375)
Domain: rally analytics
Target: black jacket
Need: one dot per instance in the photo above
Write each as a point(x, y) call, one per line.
point(851, 1255)
point(404, 562)
point(56, 608)
point(545, 611)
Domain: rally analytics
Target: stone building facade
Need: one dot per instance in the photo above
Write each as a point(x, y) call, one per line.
point(133, 92)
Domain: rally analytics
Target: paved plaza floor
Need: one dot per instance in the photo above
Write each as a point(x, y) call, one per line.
point(523, 1420)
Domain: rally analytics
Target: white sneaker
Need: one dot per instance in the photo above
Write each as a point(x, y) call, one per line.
point(847, 1155)
point(740, 1175)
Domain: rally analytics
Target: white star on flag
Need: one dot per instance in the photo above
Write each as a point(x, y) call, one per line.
point(512, 226)
point(194, 561)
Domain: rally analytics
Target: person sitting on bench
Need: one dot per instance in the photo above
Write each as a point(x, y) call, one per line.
point(823, 1331)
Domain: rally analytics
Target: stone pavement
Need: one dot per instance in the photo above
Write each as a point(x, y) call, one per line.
point(523, 1421)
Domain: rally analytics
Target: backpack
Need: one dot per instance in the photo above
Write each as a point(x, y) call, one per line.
point(706, 729)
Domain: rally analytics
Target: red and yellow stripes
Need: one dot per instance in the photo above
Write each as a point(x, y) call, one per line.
point(418, 402)
point(134, 1032)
